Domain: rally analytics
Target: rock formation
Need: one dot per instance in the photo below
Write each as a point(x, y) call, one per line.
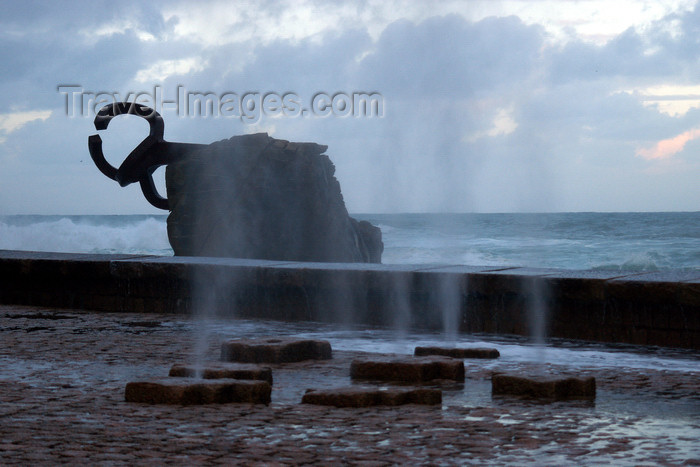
point(254, 196)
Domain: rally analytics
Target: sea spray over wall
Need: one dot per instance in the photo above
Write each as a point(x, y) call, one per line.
point(400, 302)
point(216, 292)
point(537, 293)
point(450, 300)
point(204, 301)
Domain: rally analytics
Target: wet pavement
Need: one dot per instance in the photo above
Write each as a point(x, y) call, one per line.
point(63, 375)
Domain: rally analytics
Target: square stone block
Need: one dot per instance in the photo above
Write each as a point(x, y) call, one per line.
point(543, 387)
point(188, 391)
point(457, 352)
point(221, 370)
point(363, 397)
point(408, 369)
point(275, 350)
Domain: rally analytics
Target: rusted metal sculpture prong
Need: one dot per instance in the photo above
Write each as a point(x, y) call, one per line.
point(151, 153)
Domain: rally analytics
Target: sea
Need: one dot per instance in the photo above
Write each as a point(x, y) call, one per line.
point(629, 241)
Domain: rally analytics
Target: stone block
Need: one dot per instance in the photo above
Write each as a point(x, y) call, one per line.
point(188, 391)
point(363, 397)
point(543, 387)
point(222, 371)
point(275, 350)
point(408, 369)
point(457, 352)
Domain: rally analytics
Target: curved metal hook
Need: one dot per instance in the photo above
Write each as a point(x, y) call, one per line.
point(142, 161)
point(148, 188)
point(95, 147)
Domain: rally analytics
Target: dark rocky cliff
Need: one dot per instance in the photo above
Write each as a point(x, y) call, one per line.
point(254, 196)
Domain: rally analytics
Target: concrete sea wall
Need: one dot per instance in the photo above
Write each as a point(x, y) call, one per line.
point(656, 308)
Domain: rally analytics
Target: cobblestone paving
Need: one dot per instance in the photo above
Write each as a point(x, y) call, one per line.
point(63, 374)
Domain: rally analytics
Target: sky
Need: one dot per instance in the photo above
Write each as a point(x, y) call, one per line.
point(477, 106)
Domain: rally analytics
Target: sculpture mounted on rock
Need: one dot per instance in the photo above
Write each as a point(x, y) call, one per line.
point(250, 196)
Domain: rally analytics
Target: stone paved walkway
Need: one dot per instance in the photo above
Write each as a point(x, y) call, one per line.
point(63, 374)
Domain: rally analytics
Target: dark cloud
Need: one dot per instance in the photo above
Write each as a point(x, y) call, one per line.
point(48, 44)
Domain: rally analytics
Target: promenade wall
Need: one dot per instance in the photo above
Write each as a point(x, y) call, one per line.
point(647, 308)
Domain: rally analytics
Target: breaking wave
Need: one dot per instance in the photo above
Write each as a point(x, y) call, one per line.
point(85, 234)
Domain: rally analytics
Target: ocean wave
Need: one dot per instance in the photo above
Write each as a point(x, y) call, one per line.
point(643, 261)
point(63, 234)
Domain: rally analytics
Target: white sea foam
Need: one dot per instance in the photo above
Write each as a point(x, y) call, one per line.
point(637, 261)
point(104, 234)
